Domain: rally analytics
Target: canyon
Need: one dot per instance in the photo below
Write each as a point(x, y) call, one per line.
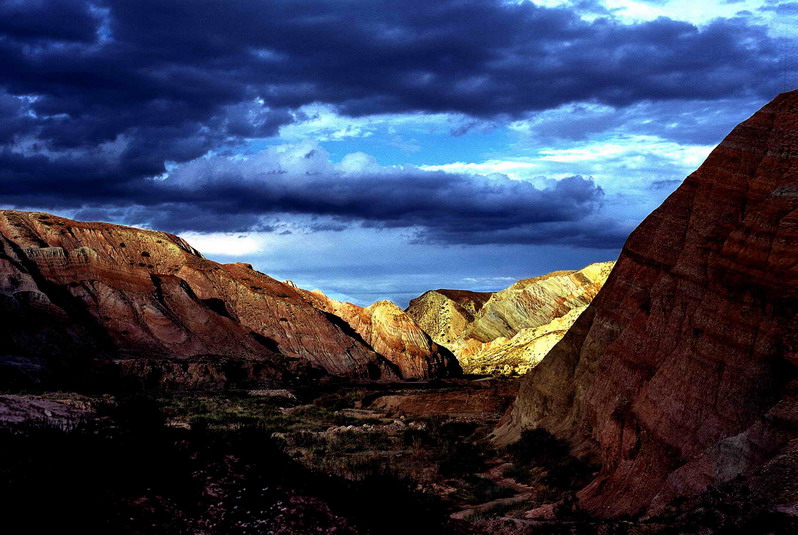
point(102, 298)
point(658, 391)
point(393, 333)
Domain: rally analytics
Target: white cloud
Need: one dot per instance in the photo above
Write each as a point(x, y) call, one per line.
point(359, 162)
point(226, 244)
point(516, 169)
point(694, 11)
point(697, 12)
point(619, 159)
point(321, 122)
point(633, 148)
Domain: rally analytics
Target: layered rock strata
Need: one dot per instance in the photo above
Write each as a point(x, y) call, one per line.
point(682, 373)
point(446, 315)
point(392, 333)
point(106, 296)
point(510, 331)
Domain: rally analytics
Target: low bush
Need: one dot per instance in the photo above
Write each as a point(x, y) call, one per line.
point(128, 473)
point(417, 438)
point(335, 401)
point(478, 489)
point(355, 440)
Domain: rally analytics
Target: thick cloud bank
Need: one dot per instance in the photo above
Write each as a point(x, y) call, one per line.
point(99, 96)
point(240, 192)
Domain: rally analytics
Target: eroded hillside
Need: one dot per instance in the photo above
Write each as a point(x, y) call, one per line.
point(510, 331)
point(82, 301)
point(681, 375)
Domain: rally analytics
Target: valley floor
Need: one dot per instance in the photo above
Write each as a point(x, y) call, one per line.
point(373, 459)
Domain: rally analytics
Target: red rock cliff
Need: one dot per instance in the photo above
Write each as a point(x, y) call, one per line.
point(682, 372)
point(392, 333)
point(77, 292)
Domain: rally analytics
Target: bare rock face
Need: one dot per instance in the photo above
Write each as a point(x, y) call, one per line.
point(485, 398)
point(682, 373)
point(392, 333)
point(446, 315)
point(534, 302)
point(519, 354)
point(150, 304)
point(510, 331)
point(16, 410)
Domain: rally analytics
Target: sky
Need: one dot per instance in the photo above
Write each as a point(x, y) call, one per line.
point(376, 149)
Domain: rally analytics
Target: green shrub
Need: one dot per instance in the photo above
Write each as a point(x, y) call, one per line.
point(353, 441)
point(478, 489)
point(336, 401)
point(307, 439)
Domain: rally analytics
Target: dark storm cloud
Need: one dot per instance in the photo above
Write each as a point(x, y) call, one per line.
point(98, 95)
point(590, 232)
point(47, 20)
point(235, 194)
point(786, 8)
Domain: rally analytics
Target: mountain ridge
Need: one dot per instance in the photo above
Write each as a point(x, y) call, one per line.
point(682, 373)
point(512, 329)
point(149, 304)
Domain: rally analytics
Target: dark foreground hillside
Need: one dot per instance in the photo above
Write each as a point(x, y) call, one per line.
point(376, 460)
point(127, 472)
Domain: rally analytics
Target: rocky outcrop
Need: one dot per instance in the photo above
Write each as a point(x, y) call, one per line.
point(480, 398)
point(393, 334)
point(682, 373)
point(534, 302)
point(59, 413)
point(446, 315)
point(509, 331)
point(519, 354)
point(78, 299)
